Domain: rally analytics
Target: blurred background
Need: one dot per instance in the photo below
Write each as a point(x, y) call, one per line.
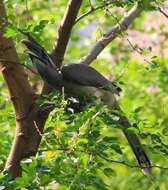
point(136, 60)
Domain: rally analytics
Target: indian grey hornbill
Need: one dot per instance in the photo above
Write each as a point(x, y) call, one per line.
point(83, 80)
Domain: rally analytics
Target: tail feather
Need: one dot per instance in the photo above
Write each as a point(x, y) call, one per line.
point(137, 147)
point(35, 50)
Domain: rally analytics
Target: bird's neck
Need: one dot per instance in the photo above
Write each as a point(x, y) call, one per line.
point(54, 77)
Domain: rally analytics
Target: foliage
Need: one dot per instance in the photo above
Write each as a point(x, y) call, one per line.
point(87, 150)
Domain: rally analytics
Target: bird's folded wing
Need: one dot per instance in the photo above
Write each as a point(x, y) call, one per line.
point(84, 75)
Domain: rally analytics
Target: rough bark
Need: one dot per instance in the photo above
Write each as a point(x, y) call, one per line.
point(27, 137)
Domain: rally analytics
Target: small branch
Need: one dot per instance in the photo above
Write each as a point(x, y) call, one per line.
point(112, 34)
point(162, 12)
point(118, 162)
point(90, 3)
point(14, 62)
point(134, 48)
point(37, 129)
point(65, 31)
point(129, 165)
point(160, 167)
point(93, 9)
point(71, 150)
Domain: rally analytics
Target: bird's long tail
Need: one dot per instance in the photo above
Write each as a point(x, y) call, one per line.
point(110, 100)
point(137, 147)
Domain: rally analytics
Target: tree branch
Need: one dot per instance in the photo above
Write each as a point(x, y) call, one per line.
point(26, 141)
point(111, 35)
point(23, 65)
point(163, 12)
point(63, 38)
point(20, 92)
point(72, 150)
point(65, 31)
point(93, 9)
point(129, 165)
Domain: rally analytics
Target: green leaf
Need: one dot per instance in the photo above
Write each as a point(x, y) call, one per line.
point(165, 131)
point(156, 138)
point(10, 31)
point(117, 148)
point(138, 109)
point(110, 139)
point(109, 172)
point(133, 130)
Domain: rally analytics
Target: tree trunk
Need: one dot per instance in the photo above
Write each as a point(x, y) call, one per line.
point(27, 138)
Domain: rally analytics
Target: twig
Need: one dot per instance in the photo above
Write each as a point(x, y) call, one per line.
point(27, 9)
point(163, 13)
point(90, 3)
point(112, 34)
point(15, 62)
point(37, 129)
point(93, 9)
point(129, 165)
point(104, 158)
point(134, 48)
point(118, 162)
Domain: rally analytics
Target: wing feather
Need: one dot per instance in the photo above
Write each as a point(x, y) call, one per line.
point(84, 75)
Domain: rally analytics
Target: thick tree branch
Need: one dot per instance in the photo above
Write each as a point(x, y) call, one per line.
point(26, 139)
point(23, 65)
point(111, 35)
point(63, 37)
point(65, 31)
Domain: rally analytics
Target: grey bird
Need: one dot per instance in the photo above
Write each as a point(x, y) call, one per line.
point(83, 80)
